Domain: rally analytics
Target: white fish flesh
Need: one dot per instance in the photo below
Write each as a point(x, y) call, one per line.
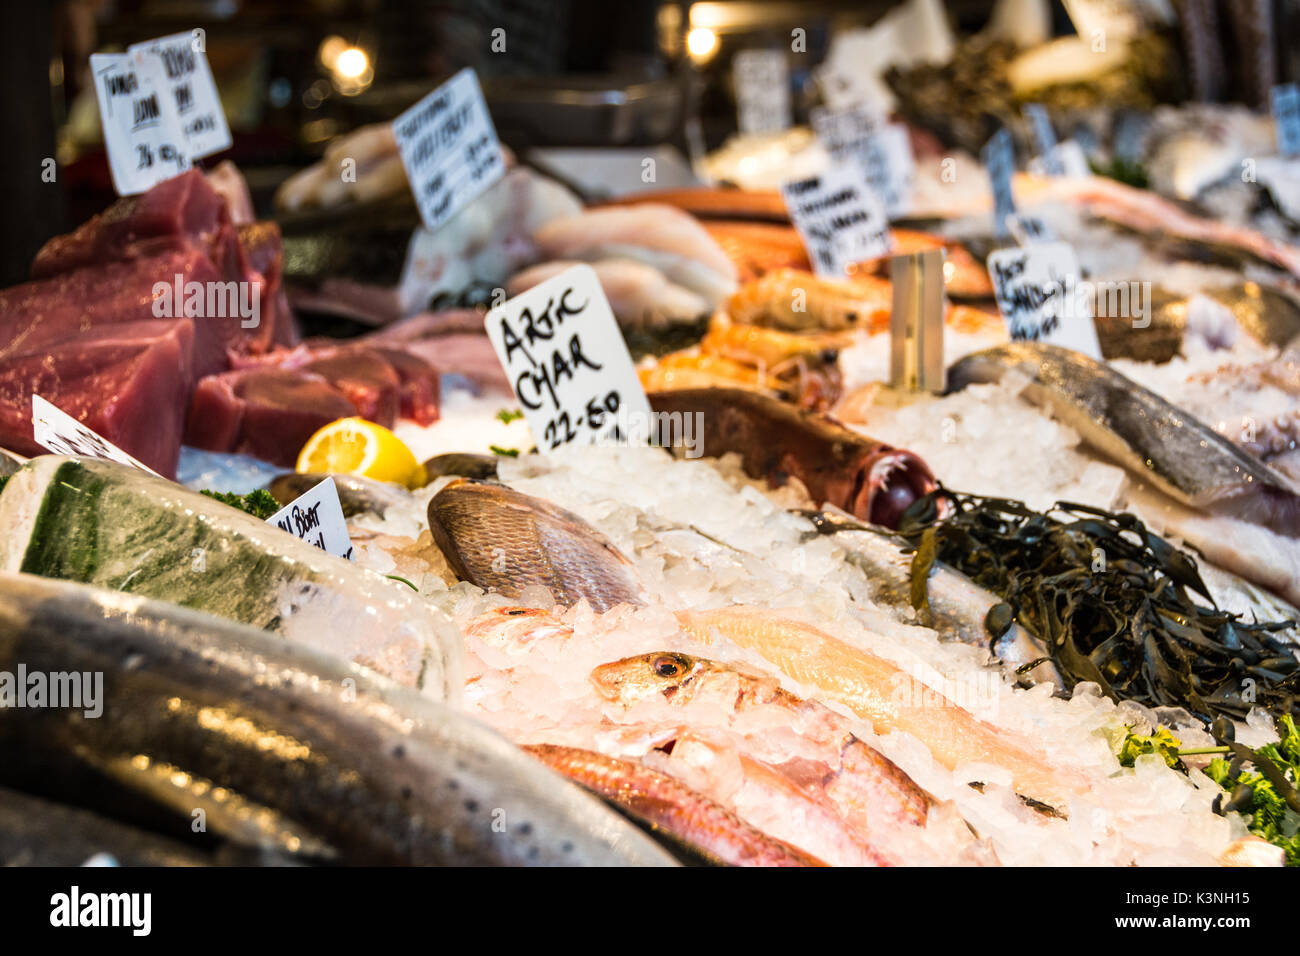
point(640, 295)
point(661, 236)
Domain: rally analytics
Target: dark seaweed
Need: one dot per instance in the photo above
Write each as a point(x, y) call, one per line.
point(1111, 601)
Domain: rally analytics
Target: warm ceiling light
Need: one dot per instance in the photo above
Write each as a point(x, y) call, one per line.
point(701, 42)
point(352, 63)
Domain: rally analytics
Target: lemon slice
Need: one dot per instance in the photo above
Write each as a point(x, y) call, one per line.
point(354, 446)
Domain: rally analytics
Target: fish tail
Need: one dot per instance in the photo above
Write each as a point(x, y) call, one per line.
point(1270, 506)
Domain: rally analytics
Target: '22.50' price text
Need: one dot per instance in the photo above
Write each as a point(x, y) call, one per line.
point(560, 429)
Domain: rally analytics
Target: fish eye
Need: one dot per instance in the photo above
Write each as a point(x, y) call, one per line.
point(667, 666)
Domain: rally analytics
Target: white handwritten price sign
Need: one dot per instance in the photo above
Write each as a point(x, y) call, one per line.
point(1041, 299)
point(316, 517)
point(449, 148)
point(839, 218)
point(762, 79)
point(882, 150)
point(62, 434)
point(193, 91)
point(142, 131)
point(568, 364)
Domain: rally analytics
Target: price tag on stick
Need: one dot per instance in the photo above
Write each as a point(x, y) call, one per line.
point(316, 516)
point(449, 148)
point(1044, 137)
point(1038, 295)
point(566, 360)
point(142, 132)
point(1000, 160)
point(192, 90)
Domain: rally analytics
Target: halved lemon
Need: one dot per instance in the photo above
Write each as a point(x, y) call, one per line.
point(354, 446)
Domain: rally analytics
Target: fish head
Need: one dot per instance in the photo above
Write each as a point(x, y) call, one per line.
point(516, 626)
point(661, 673)
point(891, 479)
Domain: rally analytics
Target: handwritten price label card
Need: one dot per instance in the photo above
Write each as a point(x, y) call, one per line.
point(449, 148)
point(193, 92)
point(839, 218)
point(316, 517)
point(62, 434)
point(1038, 293)
point(142, 131)
point(567, 362)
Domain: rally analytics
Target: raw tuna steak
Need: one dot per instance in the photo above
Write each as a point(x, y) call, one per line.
point(128, 381)
point(267, 412)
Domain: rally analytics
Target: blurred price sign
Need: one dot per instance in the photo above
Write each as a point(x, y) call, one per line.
point(142, 131)
point(839, 218)
point(1044, 138)
point(1038, 293)
point(62, 434)
point(883, 151)
point(762, 79)
point(1027, 230)
point(449, 148)
point(193, 91)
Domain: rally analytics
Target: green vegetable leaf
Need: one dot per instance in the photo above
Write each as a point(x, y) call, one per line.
point(1269, 796)
point(1161, 742)
point(259, 503)
point(506, 415)
point(507, 452)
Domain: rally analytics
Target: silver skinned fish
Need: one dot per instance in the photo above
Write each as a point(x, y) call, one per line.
point(372, 770)
point(1160, 443)
point(115, 526)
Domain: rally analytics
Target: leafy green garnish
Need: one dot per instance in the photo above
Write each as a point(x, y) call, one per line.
point(259, 503)
point(1269, 796)
point(506, 415)
point(4, 480)
point(1130, 172)
point(507, 452)
point(1161, 742)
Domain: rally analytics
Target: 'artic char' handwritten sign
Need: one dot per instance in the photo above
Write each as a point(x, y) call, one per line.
point(568, 364)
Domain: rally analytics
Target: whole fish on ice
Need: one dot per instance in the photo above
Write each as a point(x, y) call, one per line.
point(336, 757)
point(115, 526)
point(871, 480)
point(668, 806)
point(1181, 456)
point(881, 692)
point(957, 606)
point(503, 540)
